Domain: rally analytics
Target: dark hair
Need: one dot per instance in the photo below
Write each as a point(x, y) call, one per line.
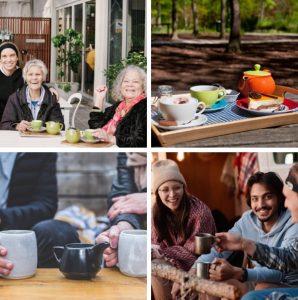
point(272, 181)
point(164, 219)
point(14, 47)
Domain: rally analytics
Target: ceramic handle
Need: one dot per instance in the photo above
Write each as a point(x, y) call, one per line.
point(59, 252)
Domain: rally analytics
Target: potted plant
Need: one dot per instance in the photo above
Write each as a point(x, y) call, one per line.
point(69, 45)
point(133, 58)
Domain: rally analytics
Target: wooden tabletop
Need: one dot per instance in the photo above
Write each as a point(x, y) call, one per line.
point(51, 284)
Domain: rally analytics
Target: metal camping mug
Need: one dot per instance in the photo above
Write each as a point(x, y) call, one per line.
point(203, 243)
point(203, 270)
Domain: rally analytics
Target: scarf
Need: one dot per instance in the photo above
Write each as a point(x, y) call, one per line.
point(139, 162)
point(122, 109)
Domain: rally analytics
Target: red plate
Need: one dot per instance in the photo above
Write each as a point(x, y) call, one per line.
point(290, 106)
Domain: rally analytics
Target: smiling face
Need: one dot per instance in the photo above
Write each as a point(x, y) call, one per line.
point(171, 193)
point(291, 202)
point(264, 203)
point(34, 78)
point(132, 85)
point(9, 60)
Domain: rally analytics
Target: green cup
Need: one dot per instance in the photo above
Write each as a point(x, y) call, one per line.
point(36, 124)
point(88, 134)
point(209, 94)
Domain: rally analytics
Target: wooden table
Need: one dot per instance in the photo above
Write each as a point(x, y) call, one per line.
point(13, 139)
point(51, 284)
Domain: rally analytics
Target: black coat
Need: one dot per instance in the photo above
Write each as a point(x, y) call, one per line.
point(32, 193)
point(8, 86)
point(131, 130)
point(124, 184)
point(17, 109)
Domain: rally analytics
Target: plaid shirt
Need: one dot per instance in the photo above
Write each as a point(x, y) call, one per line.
point(282, 259)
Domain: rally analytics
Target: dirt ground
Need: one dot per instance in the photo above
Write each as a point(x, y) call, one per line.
point(183, 65)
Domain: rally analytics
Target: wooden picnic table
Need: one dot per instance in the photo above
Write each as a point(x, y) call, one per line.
point(50, 284)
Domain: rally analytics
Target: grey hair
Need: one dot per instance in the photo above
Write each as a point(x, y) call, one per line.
point(35, 63)
point(116, 90)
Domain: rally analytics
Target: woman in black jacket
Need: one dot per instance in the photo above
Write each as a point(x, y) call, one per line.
point(33, 101)
point(123, 123)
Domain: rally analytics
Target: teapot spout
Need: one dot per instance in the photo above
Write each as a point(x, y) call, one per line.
point(99, 248)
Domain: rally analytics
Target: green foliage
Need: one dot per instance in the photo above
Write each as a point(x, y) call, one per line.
point(279, 15)
point(69, 45)
point(66, 87)
point(133, 58)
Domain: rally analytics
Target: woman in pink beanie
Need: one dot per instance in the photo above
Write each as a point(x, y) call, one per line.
point(177, 217)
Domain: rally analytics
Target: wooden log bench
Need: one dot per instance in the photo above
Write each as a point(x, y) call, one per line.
point(189, 282)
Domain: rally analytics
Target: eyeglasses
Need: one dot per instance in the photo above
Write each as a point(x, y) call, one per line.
point(175, 189)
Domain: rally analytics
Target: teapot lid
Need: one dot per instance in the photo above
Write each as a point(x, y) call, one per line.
point(257, 71)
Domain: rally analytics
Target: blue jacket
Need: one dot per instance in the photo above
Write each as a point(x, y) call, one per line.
point(281, 235)
point(32, 193)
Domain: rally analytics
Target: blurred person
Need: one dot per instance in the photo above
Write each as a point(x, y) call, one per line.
point(28, 201)
point(127, 201)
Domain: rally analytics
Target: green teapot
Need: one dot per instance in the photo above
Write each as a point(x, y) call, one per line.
point(53, 127)
point(73, 135)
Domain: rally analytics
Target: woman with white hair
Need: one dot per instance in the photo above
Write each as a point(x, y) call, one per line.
point(33, 101)
point(125, 122)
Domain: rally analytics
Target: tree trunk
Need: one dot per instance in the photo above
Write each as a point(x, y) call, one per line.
point(234, 42)
point(184, 14)
point(193, 283)
point(195, 17)
point(158, 17)
point(174, 20)
point(223, 18)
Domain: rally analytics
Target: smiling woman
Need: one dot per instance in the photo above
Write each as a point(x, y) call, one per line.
point(177, 217)
point(123, 123)
point(33, 101)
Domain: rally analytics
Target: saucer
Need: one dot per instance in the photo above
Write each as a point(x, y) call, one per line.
point(94, 141)
point(219, 105)
point(42, 129)
point(199, 120)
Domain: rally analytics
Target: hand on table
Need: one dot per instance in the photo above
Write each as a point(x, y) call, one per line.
point(128, 204)
point(5, 265)
point(111, 235)
point(23, 125)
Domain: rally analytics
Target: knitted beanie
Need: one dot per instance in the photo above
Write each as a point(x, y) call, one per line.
point(165, 170)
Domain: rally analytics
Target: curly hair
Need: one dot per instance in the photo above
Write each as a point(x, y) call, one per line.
point(35, 63)
point(116, 90)
point(272, 181)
